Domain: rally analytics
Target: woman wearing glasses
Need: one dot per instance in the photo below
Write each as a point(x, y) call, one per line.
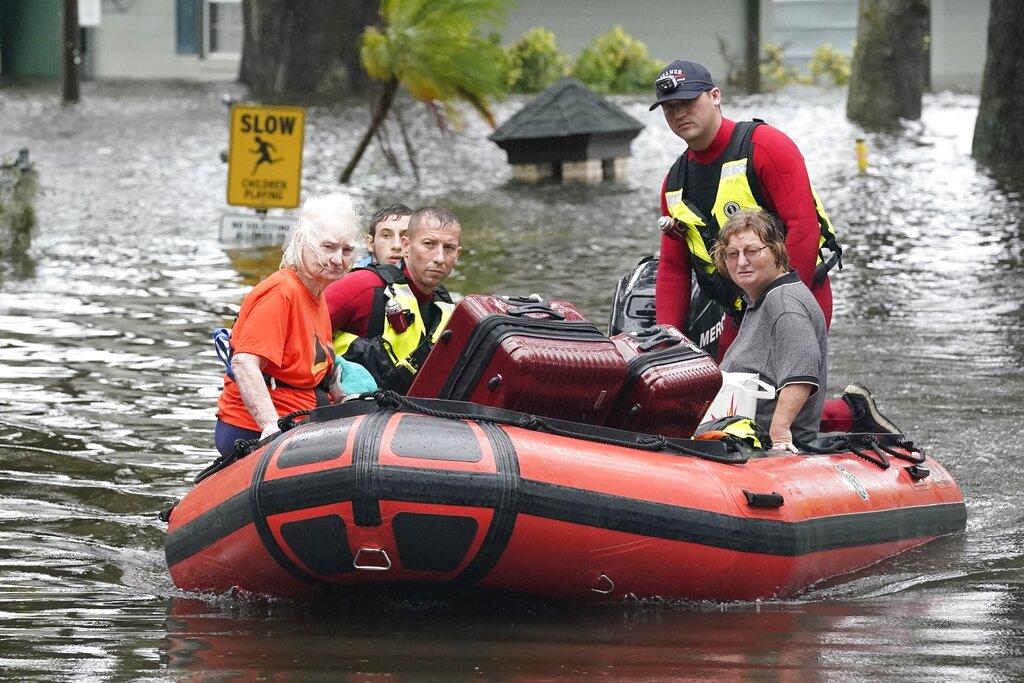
point(782, 337)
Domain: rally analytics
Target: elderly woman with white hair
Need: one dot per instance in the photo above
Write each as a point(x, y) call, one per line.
point(281, 354)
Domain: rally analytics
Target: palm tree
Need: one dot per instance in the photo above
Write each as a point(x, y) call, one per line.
point(433, 50)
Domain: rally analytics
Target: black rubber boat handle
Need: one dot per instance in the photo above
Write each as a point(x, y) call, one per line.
point(763, 500)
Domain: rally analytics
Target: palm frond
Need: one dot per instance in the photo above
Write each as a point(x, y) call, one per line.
point(481, 106)
point(433, 48)
point(441, 118)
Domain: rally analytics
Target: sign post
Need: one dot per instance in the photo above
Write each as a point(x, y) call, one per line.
point(264, 172)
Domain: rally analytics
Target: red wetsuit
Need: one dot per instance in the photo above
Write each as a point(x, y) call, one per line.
point(350, 300)
point(787, 192)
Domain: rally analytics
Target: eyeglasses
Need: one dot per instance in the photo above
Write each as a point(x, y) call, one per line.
point(751, 253)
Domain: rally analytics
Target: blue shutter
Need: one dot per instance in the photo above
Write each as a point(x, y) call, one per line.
point(188, 26)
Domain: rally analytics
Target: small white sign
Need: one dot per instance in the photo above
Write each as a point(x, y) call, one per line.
point(89, 13)
point(255, 230)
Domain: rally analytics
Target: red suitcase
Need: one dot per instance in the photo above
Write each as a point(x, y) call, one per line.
point(670, 383)
point(526, 354)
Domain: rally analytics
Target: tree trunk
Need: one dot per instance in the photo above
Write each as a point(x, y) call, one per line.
point(71, 92)
point(410, 150)
point(304, 46)
point(379, 114)
point(889, 63)
point(999, 130)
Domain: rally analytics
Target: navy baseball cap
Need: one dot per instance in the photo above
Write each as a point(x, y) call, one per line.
point(682, 80)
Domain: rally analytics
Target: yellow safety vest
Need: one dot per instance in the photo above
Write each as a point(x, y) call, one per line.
point(401, 346)
point(734, 194)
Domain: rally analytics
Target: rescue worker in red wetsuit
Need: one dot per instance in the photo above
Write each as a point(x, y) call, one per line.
point(729, 166)
point(387, 317)
point(734, 166)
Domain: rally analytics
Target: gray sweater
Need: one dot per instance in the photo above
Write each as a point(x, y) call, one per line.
point(783, 339)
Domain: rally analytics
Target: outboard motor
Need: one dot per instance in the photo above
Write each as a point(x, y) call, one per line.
point(633, 304)
point(633, 307)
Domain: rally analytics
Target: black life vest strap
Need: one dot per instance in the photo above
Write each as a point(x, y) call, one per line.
point(441, 293)
point(740, 146)
point(743, 138)
point(385, 271)
point(721, 289)
point(390, 275)
point(393, 275)
point(677, 173)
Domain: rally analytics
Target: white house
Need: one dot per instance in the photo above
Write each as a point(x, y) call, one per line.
point(201, 40)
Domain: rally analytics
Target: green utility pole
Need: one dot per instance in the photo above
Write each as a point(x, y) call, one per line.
point(752, 70)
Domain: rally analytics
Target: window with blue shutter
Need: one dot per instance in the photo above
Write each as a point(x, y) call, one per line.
point(188, 26)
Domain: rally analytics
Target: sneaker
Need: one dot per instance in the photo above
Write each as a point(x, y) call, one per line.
point(866, 417)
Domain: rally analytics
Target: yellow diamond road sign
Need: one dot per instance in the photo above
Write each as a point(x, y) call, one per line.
point(265, 156)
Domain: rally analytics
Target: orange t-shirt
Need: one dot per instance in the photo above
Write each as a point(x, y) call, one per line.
point(284, 323)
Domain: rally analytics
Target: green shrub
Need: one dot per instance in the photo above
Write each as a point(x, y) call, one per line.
point(775, 75)
point(828, 61)
point(534, 62)
point(616, 63)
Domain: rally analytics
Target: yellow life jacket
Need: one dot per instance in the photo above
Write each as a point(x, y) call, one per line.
point(736, 427)
point(393, 357)
point(738, 189)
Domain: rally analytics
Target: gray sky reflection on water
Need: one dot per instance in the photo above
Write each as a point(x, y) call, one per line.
point(109, 385)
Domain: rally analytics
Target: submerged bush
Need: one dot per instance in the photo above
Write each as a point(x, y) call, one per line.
point(534, 62)
point(775, 75)
point(616, 63)
point(828, 61)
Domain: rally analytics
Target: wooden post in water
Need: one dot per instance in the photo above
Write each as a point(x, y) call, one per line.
point(70, 53)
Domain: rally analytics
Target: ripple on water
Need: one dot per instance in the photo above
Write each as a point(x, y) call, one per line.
point(108, 388)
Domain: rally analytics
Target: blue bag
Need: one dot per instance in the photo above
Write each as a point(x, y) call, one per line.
point(355, 379)
point(222, 345)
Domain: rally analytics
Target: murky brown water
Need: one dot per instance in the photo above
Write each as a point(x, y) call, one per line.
point(108, 385)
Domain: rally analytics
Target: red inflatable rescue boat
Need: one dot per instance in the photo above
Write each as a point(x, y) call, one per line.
point(393, 489)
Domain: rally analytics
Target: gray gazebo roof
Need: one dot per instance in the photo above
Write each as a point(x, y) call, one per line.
point(566, 108)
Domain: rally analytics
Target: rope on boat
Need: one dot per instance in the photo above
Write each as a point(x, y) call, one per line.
point(913, 454)
point(390, 400)
point(876, 452)
point(244, 447)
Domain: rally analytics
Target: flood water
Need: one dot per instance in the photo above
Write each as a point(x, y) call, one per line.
point(108, 385)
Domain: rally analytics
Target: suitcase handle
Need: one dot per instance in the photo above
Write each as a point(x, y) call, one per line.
point(652, 337)
point(532, 298)
point(534, 305)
